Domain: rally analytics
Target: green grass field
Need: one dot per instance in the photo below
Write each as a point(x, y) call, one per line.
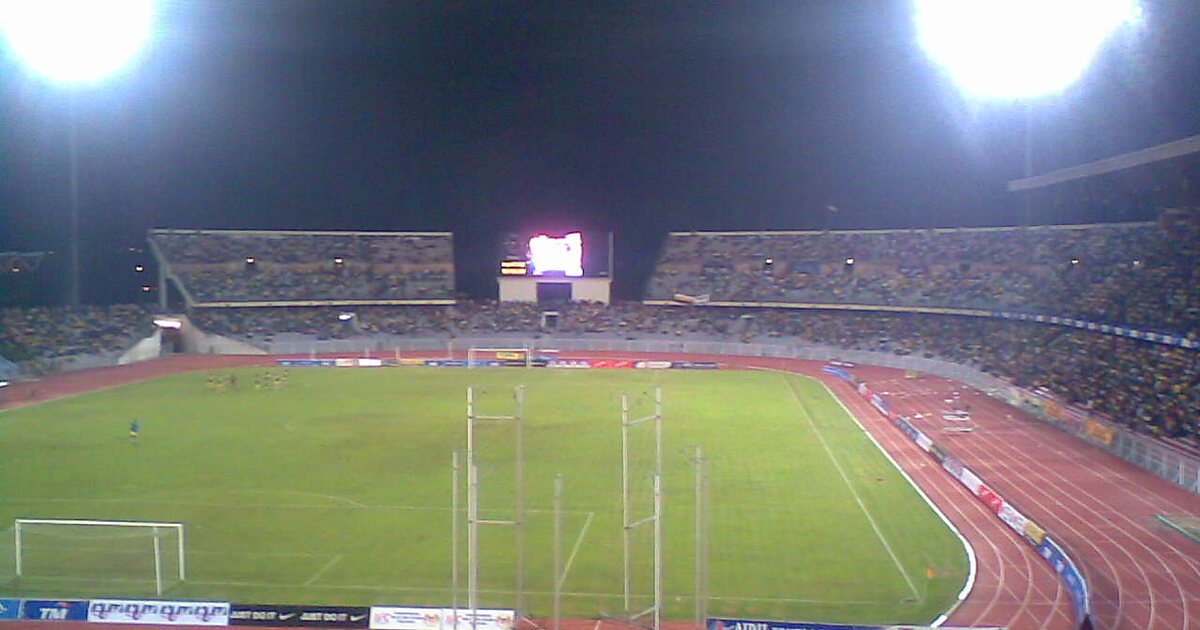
point(335, 489)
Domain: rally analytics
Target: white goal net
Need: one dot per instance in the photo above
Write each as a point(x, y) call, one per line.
point(481, 357)
point(127, 552)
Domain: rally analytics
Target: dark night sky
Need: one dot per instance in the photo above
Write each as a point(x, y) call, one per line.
point(639, 117)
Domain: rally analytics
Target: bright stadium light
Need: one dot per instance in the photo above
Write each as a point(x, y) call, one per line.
point(1017, 49)
point(76, 41)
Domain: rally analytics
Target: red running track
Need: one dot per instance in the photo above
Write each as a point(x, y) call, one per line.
point(1141, 573)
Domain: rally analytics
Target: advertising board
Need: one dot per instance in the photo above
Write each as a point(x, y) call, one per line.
point(141, 611)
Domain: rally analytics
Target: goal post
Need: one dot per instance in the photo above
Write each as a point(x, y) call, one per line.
point(477, 356)
point(53, 548)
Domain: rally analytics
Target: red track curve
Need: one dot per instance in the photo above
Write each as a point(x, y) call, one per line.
point(1141, 574)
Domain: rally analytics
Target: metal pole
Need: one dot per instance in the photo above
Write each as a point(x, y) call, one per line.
point(158, 589)
point(625, 532)
point(658, 509)
point(162, 289)
point(73, 222)
point(473, 541)
point(1028, 166)
point(558, 568)
point(454, 481)
point(701, 546)
point(17, 541)
point(658, 552)
point(182, 561)
point(520, 499)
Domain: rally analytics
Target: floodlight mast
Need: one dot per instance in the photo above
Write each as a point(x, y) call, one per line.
point(76, 42)
point(1018, 49)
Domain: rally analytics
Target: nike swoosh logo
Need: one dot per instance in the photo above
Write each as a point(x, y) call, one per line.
point(357, 617)
point(285, 617)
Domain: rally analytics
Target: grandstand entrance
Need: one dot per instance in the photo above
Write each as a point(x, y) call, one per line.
point(553, 293)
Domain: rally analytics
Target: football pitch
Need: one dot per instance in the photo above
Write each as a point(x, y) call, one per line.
point(334, 487)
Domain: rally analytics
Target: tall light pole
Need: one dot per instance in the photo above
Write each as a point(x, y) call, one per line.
point(1018, 50)
point(75, 43)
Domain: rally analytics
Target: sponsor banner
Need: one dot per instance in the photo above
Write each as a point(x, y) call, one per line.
point(748, 624)
point(952, 466)
point(694, 365)
point(1062, 565)
point(1033, 533)
point(304, 362)
point(344, 362)
point(55, 609)
point(937, 453)
point(445, 363)
point(519, 363)
point(834, 370)
point(878, 403)
point(1012, 518)
point(842, 364)
point(989, 498)
point(412, 361)
point(300, 616)
point(652, 365)
point(485, 619)
point(405, 618)
point(1099, 432)
point(862, 389)
point(620, 364)
point(10, 608)
point(370, 362)
point(970, 480)
point(922, 440)
point(570, 364)
point(488, 363)
point(511, 356)
point(140, 611)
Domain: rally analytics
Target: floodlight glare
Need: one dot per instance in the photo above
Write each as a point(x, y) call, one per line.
point(1015, 49)
point(76, 41)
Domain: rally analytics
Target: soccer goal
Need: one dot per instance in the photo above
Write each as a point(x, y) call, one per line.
point(115, 551)
point(479, 357)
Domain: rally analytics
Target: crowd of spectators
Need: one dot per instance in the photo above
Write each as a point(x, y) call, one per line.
point(41, 336)
point(1138, 274)
point(1152, 387)
point(258, 266)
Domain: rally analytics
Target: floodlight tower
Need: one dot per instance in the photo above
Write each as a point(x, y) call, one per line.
point(75, 43)
point(1018, 50)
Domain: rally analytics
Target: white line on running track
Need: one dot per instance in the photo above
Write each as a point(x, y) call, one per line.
point(854, 493)
point(328, 565)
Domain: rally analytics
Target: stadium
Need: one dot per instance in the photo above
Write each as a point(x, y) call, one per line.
point(545, 419)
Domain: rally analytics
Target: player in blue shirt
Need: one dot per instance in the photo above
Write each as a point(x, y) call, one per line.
point(134, 428)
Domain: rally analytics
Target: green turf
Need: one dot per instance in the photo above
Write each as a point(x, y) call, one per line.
point(336, 489)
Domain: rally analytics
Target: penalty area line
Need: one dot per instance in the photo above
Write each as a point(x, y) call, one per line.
point(328, 565)
point(587, 522)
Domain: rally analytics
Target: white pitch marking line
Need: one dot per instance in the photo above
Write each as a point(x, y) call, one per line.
point(328, 565)
point(587, 522)
point(854, 493)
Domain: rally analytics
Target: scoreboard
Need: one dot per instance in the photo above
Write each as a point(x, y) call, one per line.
point(570, 254)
